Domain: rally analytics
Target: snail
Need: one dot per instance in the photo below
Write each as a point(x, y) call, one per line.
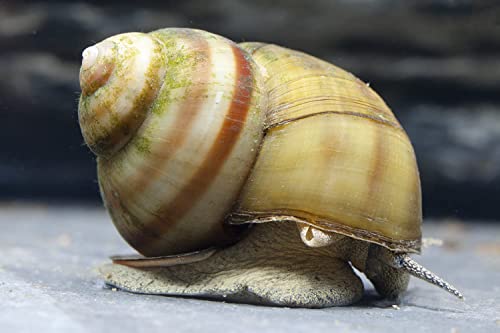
point(248, 172)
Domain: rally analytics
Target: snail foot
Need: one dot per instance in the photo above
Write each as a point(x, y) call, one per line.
point(258, 270)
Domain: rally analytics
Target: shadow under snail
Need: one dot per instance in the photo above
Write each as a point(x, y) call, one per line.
point(248, 172)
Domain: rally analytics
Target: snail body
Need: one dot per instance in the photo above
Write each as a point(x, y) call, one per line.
point(196, 136)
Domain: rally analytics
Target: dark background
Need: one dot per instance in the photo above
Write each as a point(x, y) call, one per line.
point(436, 63)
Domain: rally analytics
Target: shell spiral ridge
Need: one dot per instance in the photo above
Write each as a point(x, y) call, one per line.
point(169, 188)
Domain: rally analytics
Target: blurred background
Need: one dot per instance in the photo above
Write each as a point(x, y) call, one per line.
point(435, 62)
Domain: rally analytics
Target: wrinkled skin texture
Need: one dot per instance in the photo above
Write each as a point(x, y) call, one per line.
point(272, 266)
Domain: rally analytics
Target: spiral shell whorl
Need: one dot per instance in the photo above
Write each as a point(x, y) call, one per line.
point(110, 113)
point(169, 189)
point(334, 154)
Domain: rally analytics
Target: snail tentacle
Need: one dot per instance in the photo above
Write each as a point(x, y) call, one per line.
point(405, 262)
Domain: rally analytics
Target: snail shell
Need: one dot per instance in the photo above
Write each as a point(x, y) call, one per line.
point(195, 134)
point(334, 154)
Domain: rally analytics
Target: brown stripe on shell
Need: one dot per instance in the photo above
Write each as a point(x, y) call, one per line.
point(188, 111)
point(417, 189)
point(95, 77)
point(112, 139)
point(223, 144)
point(379, 169)
point(377, 165)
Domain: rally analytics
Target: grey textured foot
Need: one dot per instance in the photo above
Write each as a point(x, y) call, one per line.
point(261, 269)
